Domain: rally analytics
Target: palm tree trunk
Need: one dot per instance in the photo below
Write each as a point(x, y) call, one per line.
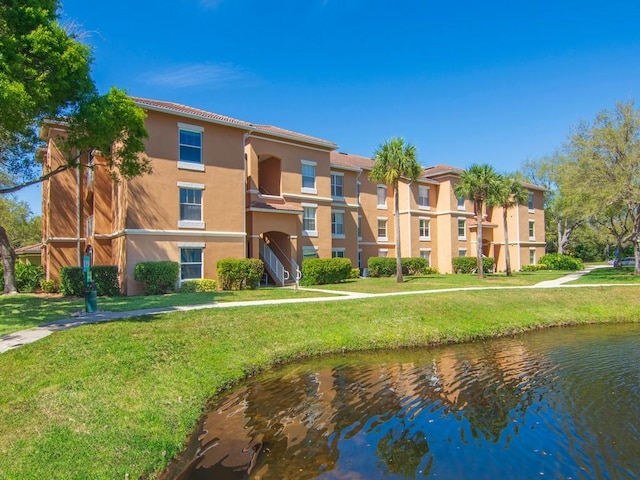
point(479, 243)
point(8, 262)
point(507, 255)
point(396, 203)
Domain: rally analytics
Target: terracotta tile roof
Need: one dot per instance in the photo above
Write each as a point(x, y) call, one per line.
point(281, 206)
point(187, 111)
point(440, 169)
point(349, 160)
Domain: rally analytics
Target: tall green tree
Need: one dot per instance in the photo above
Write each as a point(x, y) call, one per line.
point(45, 75)
point(393, 160)
point(508, 193)
point(478, 183)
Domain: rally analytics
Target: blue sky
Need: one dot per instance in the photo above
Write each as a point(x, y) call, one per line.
point(496, 82)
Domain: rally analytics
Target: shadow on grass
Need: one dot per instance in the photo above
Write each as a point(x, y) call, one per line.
point(611, 275)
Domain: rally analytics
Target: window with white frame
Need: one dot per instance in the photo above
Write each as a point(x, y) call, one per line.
point(462, 252)
point(190, 263)
point(382, 229)
point(426, 254)
point(190, 144)
point(309, 251)
point(383, 252)
point(462, 229)
point(382, 196)
point(309, 220)
point(337, 224)
point(308, 176)
point(532, 256)
point(423, 196)
point(530, 201)
point(337, 253)
point(461, 203)
point(532, 230)
point(190, 205)
point(337, 185)
point(424, 227)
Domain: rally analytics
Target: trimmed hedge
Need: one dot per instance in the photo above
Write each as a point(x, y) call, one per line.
point(386, 266)
point(198, 286)
point(534, 268)
point(240, 273)
point(322, 271)
point(49, 286)
point(556, 261)
point(158, 277)
point(470, 264)
point(72, 281)
point(28, 277)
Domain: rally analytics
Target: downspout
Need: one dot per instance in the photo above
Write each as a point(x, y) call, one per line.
point(244, 193)
point(409, 218)
point(518, 239)
point(358, 224)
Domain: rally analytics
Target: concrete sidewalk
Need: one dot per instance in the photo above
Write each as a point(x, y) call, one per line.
point(23, 337)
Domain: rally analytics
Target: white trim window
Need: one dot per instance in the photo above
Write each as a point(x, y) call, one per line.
point(462, 252)
point(423, 197)
point(382, 230)
point(425, 229)
point(337, 252)
point(309, 220)
point(532, 230)
point(308, 174)
point(337, 224)
point(383, 252)
point(532, 256)
point(461, 205)
point(309, 251)
point(426, 254)
point(337, 185)
point(530, 198)
point(381, 191)
point(191, 206)
point(190, 263)
point(190, 147)
point(462, 229)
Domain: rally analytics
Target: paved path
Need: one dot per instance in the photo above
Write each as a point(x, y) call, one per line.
point(17, 339)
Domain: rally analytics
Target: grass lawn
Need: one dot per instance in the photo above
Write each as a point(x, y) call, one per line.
point(109, 400)
point(609, 275)
point(442, 281)
point(18, 312)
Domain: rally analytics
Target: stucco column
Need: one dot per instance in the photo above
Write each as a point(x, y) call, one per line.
point(254, 246)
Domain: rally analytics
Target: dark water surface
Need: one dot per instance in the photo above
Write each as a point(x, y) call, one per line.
point(555, 404)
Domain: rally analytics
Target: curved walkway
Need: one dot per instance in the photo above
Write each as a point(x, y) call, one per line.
point(22, 337)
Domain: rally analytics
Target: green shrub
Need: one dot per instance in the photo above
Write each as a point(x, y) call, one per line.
point(1, 278)
point(49, 286)
point(198, 286)
point(382, 266)
point(470, 264)
point(534, 268)
point(28, 277)
point(430, 271)
point(158, 277)
point(106, 280)
point(322, 271)
point(355, 273)
point(72, 281)
point(557, 261)
point(240, 273)
point(414, 265)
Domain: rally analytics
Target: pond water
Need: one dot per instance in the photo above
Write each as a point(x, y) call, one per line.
point(559, 403)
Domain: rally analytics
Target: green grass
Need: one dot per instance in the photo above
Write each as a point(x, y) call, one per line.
point(105, 400)
point(609, 275)
point(18, 312)
point(442, 281)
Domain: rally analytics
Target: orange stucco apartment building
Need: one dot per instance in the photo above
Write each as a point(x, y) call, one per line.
point(223, 188)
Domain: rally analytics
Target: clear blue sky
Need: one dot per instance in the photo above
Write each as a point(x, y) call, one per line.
point(466, 82)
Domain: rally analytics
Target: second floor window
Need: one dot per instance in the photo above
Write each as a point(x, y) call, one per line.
point(424, 229)
point(309, 219)
point(190, 146)
point(462, 233)
point(423, 196)
point(532, 229)
point(337, 224)
point(337, 189)
point(382, 229)
point(190, 204)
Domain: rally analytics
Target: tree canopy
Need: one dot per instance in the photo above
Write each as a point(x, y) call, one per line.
point(393, 160)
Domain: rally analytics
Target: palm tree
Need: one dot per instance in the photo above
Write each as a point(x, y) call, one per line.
point(394, 159)
point(478, 184)
point(508, 194)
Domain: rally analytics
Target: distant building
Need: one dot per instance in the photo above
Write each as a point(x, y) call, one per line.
point(223, 188)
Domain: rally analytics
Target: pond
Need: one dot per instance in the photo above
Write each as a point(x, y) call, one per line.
point(558, 403)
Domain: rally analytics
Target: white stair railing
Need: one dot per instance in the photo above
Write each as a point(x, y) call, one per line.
point(273, 263)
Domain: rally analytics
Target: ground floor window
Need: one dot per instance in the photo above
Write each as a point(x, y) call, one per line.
point(532, 256)
point(462, 252)
point(383, 252)
point(190, 263)
point(426, 254)
point(337, 253)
